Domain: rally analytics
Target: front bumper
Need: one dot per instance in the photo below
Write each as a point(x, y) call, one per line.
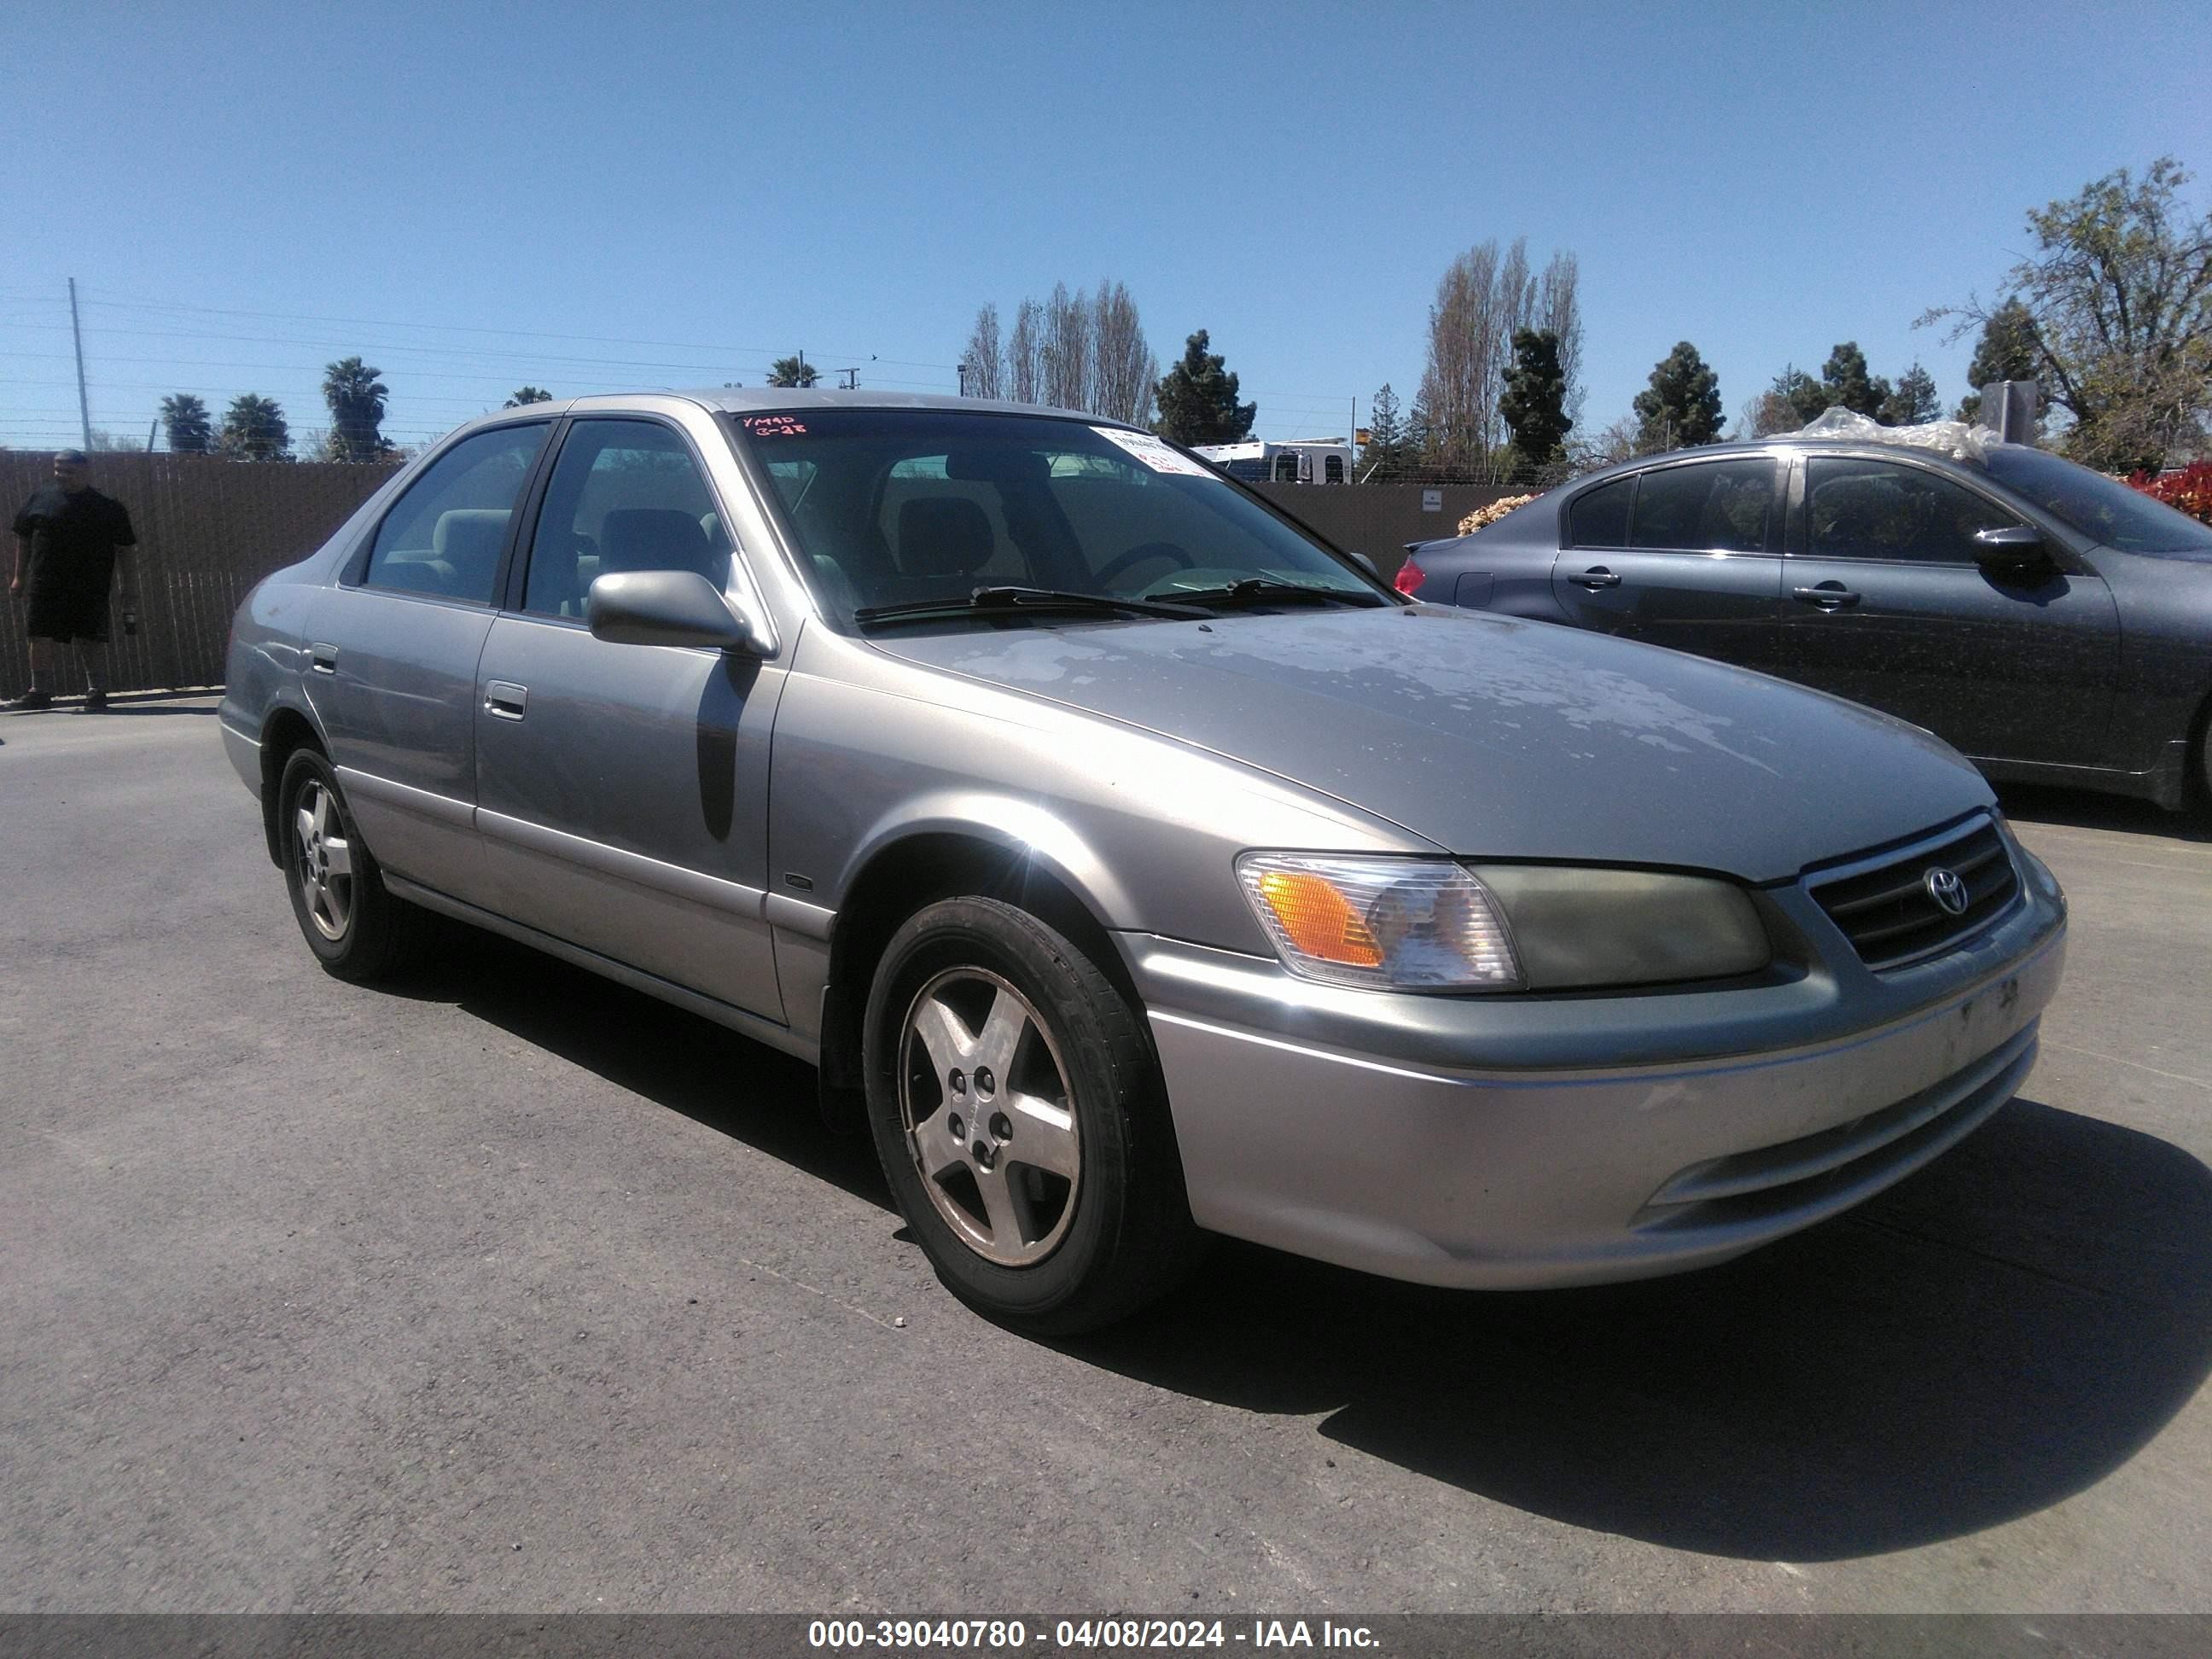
point(1514, 1142)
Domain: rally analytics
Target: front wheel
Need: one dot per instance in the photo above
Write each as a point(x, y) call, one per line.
point(355, 929)
point(1017, 1110)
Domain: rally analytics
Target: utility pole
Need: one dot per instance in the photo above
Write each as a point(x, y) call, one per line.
point(964, 380)
point(83, 404)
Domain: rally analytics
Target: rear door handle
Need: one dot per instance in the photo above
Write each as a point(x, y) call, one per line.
point(1829, 596)
point(1595, 577)
point(504, 700)
point(323, 659)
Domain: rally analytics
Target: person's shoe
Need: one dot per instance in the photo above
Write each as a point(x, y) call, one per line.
point(96, 703)
point(31, 702)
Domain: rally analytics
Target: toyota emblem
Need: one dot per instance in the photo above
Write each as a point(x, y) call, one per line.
point(1946, 890)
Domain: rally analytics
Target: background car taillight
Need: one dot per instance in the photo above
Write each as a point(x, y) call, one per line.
point(1410, 575)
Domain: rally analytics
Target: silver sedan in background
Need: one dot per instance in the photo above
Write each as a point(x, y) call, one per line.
point(1135, 864)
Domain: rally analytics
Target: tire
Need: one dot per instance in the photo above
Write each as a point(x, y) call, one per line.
point(1041, 1174)
point(356, 929)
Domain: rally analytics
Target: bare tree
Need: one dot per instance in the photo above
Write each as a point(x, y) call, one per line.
point(985, 369)
point(1026, 354)
point(1067, 360)
point(1462, 353)
point(1559, 308)
point(1123, 368)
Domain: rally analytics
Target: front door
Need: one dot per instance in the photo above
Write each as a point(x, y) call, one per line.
point(622, 789)
point(1888, 607)
point(1687, 555)
point(393, 657)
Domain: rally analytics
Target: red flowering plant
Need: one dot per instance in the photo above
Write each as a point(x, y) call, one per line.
point(2188, 490)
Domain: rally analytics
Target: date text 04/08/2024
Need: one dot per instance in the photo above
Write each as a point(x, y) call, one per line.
point(1002, 1635)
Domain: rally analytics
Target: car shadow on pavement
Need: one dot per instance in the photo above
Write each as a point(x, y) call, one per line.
point(2033, 803)
point(1990, 1336)
point(730, 1084)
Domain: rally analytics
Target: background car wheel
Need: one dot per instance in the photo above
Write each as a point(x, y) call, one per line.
point(1017, 1109)
point(356, 930)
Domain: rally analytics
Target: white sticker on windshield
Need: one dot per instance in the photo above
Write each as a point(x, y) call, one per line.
point(1154, 453)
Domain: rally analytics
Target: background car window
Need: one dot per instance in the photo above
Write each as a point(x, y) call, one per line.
point(624, 495)
point(1715, 506)
point(1872, 509)
point(444, 536)
point(1599, 517)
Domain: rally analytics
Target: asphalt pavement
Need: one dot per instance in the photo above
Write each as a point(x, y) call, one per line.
point(507, 1289)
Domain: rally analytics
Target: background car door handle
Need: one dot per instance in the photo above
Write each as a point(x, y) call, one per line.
point(1829, 596)
point(504, 700)
point(323, 659)
point(1595, 578)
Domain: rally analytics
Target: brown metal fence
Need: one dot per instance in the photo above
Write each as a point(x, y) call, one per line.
point(208, 529)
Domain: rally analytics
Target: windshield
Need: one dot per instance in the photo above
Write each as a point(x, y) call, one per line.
point(905, 507)
point(2115, 513)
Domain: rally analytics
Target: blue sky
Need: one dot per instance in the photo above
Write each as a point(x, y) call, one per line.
point(474, 197)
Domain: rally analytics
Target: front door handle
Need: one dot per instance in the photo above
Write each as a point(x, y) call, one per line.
point(1595, 577)
point(323, 659)
point(1829, 596)
point(504, 700)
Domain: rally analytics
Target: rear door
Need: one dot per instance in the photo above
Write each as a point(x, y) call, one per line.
point(622, 789)
point(1685, 555)
point(1887, 606)
point(393, 649)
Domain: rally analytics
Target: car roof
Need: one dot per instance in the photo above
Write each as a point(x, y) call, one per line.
point(1781, 442)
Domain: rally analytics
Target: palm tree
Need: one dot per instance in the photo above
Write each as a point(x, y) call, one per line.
point(189, 428)
point(254, 429)
point(528, 394)
point(793, 371)
point(356, 399)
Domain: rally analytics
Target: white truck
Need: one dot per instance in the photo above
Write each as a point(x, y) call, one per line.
point(1319, 460)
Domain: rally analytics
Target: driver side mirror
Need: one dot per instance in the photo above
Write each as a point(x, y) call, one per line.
point(2012, 550)
point(664, 607)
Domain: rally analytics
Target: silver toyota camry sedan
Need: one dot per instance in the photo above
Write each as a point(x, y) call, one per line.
point(1135, 864)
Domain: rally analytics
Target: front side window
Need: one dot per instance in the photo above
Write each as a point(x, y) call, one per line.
point(894, 506)
point(443, 535)
point(1712, 506)
point(2102, 509)
point(1876, 509)
point(624, 495)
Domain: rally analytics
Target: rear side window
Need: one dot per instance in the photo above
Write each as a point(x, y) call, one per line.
point(1713, 506)
point(1599, 517)
point(443, 537)
point(1870, 509)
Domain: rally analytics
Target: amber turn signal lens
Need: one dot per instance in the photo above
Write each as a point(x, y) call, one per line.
point(1318, 920)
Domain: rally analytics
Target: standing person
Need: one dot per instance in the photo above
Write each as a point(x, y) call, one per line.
point(69, 541)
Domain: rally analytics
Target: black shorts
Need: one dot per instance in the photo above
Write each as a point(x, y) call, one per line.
point(65, 616)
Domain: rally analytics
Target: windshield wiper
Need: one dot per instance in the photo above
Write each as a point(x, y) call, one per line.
point(1259, 590)
point(1008, 600)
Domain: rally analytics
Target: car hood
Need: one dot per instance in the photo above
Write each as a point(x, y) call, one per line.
point(1496, 738)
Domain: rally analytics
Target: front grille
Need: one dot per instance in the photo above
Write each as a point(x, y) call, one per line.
point(1885, 906)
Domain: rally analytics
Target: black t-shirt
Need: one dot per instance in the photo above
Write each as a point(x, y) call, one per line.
point(73, 539)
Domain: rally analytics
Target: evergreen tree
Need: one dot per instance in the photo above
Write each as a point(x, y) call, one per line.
point(1198, 400)
point(254, 429)
point(191, 428)
point(1804, 397)
point(528, 394)
point(1533, 402)
point(1383, 457)
point(1682, 407)
point(1914, 401)
point(356, 398)
point(2006, 351)
point(1845, 378)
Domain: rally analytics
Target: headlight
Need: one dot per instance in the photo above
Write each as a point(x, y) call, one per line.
point(1425, 924)
point(1408, 923)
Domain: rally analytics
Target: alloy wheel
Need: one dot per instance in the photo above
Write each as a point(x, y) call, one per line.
point(326, 861)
